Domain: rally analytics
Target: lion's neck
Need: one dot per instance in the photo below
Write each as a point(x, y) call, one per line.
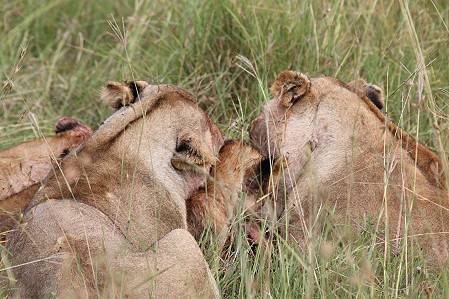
point(367, 167)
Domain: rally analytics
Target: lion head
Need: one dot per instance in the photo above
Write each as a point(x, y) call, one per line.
point(325, 115)
point(214, 204)
point(334, 148)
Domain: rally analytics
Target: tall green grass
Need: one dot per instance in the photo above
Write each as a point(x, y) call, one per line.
point(55, 56)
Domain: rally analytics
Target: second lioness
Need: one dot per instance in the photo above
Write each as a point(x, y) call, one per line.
point(24, 166)
point(341, 153)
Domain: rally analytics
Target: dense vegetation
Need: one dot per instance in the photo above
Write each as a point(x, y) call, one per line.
point(56, 55)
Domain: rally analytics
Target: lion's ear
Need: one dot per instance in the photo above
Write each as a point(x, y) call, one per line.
point(191, 155)
point(119, 94)
point(373, 92)
point(290, 86)
point(65, 124)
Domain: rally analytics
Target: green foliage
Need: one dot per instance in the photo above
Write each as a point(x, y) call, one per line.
point(56, 55)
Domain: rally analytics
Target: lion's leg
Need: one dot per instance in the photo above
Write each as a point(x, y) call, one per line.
point(173, 268)
point(70, 249)
point(59, 249)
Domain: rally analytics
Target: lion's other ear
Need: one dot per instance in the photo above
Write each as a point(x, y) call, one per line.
point(376, 95)
point(119, 94)
point(373, 92)
point(290, 86)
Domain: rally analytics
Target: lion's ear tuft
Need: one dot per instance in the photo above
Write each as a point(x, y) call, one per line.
point(119, 94)
point(373, 92)
point(290, 86)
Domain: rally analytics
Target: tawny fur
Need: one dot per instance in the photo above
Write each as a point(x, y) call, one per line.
point(115, 216)
point(345, 156)
point(24, 166)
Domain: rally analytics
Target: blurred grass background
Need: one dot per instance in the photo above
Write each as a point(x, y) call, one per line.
point(56, 55)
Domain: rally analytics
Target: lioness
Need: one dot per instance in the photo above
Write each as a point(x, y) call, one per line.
point(340, 152)
point(23, 167)
point(113, 221)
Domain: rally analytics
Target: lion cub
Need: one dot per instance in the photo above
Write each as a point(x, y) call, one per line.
point(214, 203)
